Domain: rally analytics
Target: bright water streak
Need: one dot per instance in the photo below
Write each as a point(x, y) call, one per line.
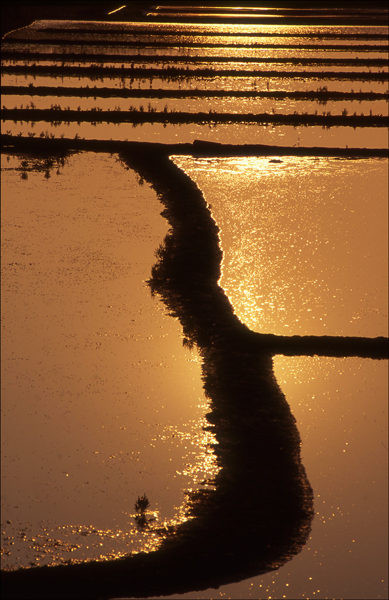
point(305, 251)
point(304, 241)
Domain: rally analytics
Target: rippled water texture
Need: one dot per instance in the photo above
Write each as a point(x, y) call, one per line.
point(101, 402)
point(304, 241)
point(192, 57)
point(289, 269)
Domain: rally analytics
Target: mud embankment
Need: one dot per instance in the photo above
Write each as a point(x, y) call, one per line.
point(104, 92)
point(186, 72)
point(172, 58)
point(52, 145)
point(176, 118)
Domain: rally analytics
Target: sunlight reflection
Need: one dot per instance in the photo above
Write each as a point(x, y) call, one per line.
point(111, 12)
point(291, 236)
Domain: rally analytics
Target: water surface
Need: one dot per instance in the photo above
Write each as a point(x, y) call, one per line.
point(101, 402)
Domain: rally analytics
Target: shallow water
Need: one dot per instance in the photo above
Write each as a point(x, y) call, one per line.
point(305, 251)
point(79, 353)
point(227, 29)
point(340, 404)
point(283, 135)
point(333, 54)
point(208, 83)
point(100, 401)
point(341, 411)
point(193, 66)
point(105, 38)
point(223, 104)
point(380, 50)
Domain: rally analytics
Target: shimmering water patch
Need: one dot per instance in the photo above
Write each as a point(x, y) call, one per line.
point(100, 401)
point(230, 133)
point(305, 252)
point(224, 104)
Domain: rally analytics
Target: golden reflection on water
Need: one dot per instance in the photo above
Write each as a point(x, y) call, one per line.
point(304, 253)
point(340, 404)
point(46, 544)
point(100, 401)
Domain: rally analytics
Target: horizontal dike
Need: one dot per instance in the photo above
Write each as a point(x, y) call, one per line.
point(206, 33)
point(108, 116)
point(102, 92)
point(186, 44)
point(47, 146)
point(172, 72)
point(147, 58)
point(262, 20)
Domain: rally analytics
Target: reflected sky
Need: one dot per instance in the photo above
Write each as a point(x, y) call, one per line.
point(304, 252)
point(341, 411)
point(217, 104)
point(100, 401)
point(340, 404)
point(301, 246)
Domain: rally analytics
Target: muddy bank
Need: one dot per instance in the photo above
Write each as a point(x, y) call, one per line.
point(97, 92)
point(51, 146)
point(148, 58)
point(135, 116)
point(185, 72)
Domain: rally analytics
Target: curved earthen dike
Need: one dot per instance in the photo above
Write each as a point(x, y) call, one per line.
point(257, 513)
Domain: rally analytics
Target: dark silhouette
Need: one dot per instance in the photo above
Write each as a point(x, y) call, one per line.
point(182, 72)
point(173, 117)
point(322, 94)
point(142, 503)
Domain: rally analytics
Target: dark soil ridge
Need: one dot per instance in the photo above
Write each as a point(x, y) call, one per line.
point(261, 479)
point(102, 92)
point(376, 19)
point(172, 117)
point(172, 72)
point(309, 21)
point(61, 146)
point(20, 39)
point(102, 28)
point(147, 58)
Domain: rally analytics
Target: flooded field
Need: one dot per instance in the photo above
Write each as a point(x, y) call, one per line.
point(221, 133)
point(191, 331)
point(85, 253)
point(291, 242)
point(207, 58)
point(187, 104)
point(236, 85)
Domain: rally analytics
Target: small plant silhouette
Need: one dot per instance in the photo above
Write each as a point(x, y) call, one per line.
point(142, 503)
point(141, 519)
